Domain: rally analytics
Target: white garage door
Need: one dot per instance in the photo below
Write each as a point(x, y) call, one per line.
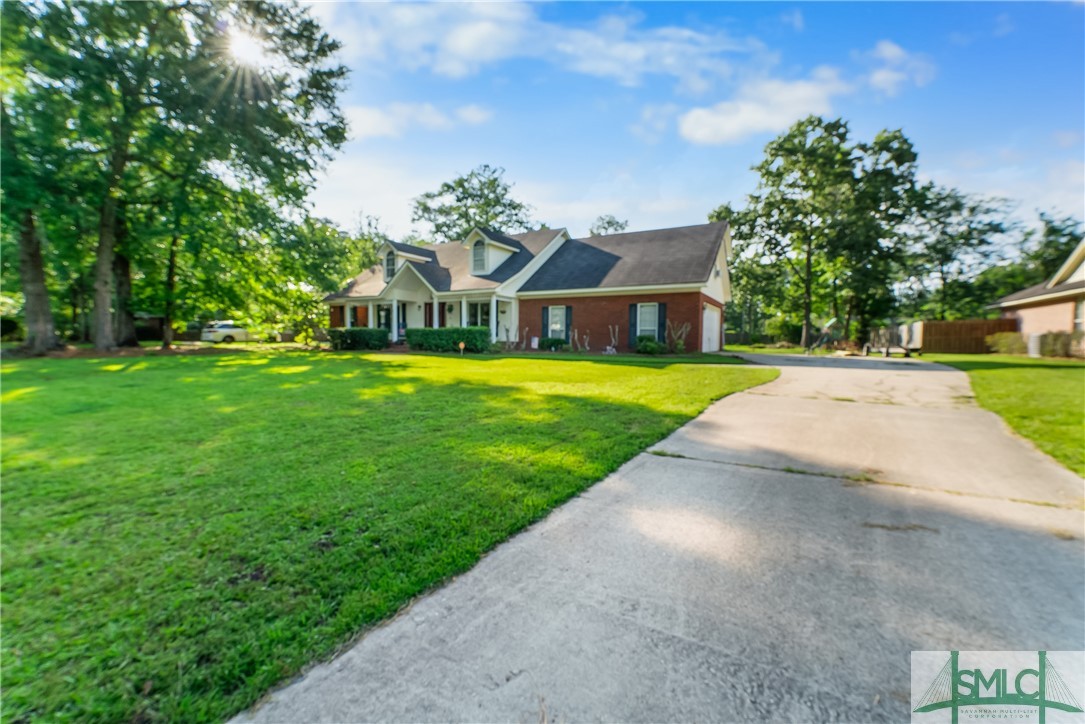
point(710, 330)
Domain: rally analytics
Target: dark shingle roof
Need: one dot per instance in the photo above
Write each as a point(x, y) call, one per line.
point(425, 251)
point(685, 255)
point(451, 271)
point(1040, 290)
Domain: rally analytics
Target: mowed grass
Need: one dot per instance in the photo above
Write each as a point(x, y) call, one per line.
point(1041, 399)
point(182, 533)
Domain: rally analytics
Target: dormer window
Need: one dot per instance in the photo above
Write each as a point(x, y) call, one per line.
point(478, 257)
point(389, 266)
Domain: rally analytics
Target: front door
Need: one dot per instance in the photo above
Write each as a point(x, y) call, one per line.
point(428, 314)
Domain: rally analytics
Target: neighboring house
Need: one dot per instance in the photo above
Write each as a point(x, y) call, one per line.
point(546, 284)
point(1057, 305)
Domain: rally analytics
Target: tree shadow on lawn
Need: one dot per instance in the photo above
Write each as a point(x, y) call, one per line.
point(230, 520)
point(620, 360)
point(753, 594)
point(1045, 364)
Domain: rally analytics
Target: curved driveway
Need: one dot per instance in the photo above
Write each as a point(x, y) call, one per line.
point(778, 558)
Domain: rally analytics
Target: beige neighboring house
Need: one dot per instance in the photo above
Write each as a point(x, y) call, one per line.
point(1057, 305)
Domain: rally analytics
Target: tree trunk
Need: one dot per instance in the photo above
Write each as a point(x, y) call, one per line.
point(41, 335)
point(847, 323)
point(126, 323)
point(836, 303)
point(942, 294)
point(805, 342)
point(84, 309)
point(107, 240)
point(103, 275)
point(171, 283)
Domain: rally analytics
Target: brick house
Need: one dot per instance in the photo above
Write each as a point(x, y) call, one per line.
point(1057, 305)
point(546, 284)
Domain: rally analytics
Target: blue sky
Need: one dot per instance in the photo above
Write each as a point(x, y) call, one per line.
point(654, 112)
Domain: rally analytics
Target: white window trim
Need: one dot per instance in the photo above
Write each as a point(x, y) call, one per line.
point(550, 321)
point(476, 267)
point(654, 333)
point(477, 310)
point(388, 276)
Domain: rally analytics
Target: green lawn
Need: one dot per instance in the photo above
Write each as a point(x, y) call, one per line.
point(759, 349)
point(182, 533)
point(1041, 399)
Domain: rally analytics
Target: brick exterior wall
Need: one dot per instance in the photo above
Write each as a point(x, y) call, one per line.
point(593, 314)
point(1052, 317)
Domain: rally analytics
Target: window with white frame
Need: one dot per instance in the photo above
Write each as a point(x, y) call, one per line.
point(648, 320)
point(478, 257)
point(557, 322)
point(1079, 315)
point(478, 314)
point(389, 265)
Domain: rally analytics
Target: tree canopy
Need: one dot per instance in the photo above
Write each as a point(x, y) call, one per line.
point(839, 228)
point(157, 164)
point(481, 198)
point(607, 224)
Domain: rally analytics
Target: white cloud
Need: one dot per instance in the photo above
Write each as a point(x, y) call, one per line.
point(654, 204)
point(1066, 139)
point(473, 114)
point(394, 120)
point(1066, 188)
point(890, 52)
point(654, 121)
point(794, 19)
point(456, 40)
point(1003, 25)
point(364, 182)
point(897, 68)
point(768, 105)
point(1057, 185)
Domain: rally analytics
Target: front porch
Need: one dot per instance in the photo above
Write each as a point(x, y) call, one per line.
point(405, 309)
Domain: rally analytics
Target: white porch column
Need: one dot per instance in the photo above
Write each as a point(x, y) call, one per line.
point(371, 318)
point(436, 313)
point(348, 312)
point(395, 319)
point(493, 318)
point(463, 312)
point(514, 322)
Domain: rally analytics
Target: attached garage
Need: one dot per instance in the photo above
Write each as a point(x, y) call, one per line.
point(711, 327)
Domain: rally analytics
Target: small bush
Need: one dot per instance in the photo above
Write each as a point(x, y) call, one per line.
point(358, 338)
point(552, 344)
point(646, 344)
point(447, 339)
point(10, 328)
point(1007, 343)
point(1061, 344)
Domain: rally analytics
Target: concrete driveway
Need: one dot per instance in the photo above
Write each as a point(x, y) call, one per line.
point(777, 558)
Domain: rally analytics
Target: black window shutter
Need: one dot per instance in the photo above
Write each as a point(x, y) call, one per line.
point(632, 327)
point(546, 322)
point(662, 333)
point(568, 322)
